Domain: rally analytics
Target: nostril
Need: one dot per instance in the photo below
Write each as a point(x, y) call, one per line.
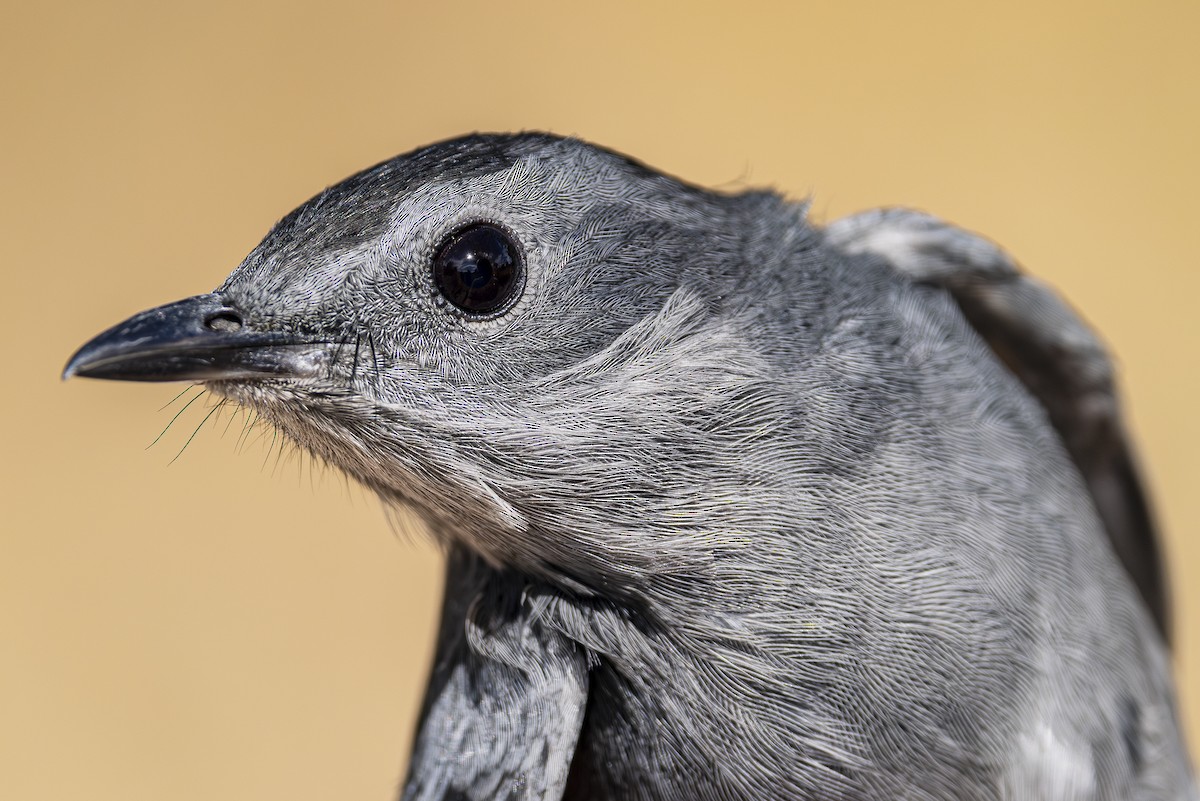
point(224, 321)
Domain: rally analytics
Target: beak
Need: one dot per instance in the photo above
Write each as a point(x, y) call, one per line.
point(198, 339)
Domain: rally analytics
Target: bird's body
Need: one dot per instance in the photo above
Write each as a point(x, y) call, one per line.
point(735, 507)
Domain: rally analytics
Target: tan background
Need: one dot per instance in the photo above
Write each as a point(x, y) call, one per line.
point(232, 626)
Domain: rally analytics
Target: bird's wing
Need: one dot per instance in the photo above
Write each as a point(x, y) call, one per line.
point(506, 698)
point(1045, 344)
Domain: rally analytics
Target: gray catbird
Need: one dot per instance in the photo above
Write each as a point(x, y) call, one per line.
point(735, 507)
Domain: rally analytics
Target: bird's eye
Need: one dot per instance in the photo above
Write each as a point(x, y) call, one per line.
point(478, 268)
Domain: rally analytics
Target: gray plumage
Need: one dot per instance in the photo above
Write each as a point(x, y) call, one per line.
point(735, 507)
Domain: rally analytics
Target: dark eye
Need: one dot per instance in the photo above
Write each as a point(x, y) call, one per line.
point(478, 268)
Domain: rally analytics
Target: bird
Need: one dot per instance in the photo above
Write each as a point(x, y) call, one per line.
point(734, 505)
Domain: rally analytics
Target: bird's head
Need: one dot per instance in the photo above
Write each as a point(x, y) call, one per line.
point(527, 339)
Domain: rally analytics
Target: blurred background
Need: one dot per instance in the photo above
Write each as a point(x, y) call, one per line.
point(237, 624)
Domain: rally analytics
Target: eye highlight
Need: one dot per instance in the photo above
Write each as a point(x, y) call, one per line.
point(478, 268)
